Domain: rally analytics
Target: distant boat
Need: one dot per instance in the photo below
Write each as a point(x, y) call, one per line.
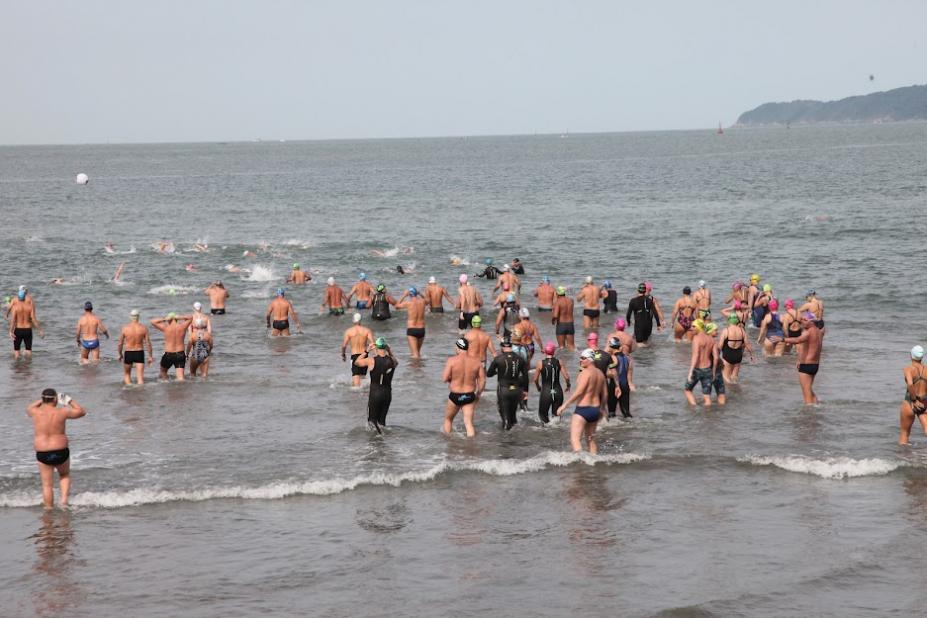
point(720, 130)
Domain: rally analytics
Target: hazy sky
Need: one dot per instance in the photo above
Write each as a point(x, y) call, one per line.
point(191, 70)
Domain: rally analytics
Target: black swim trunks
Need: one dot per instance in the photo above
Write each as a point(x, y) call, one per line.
point(281, 324)
point(811, 369)
point(462, 399)
point(566, 328)
point(217, 311)
point(22, 336)
point(336, 311)
point(465, 318)
point(437, 309)
point(53, 458)
point(703, 375)
point(355, 370)
point(177, 360)
point(591, 313)
point(418, 333)
point(131, 357)
point(545, 309)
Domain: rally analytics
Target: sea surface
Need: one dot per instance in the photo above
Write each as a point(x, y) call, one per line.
point(262, 492)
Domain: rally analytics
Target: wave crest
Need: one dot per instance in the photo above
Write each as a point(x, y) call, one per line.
point(830, 468)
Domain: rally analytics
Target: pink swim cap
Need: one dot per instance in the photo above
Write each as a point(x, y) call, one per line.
point(549, 348)
point(463, 278)
point(592, 337)
point(649, 286)
point(774, 305)
point(620, 324)
point(789, 303)
point(737, 285)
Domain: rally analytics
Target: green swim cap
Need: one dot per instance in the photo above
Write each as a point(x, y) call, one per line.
point(767, 288)
point(561, 291)
point(171, 316)
point(295, 265)
point(476, 321)
point(380, 343)
point(733, 319)
point(711, 328)
point(381, 287)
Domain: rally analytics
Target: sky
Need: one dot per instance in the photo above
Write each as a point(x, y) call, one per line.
point(114, 71)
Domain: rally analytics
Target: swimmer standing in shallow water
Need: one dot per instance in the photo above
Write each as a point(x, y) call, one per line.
point(89, 328)
point(278, 315)
point(52, 450)
point(914, 404)
point(591, 396)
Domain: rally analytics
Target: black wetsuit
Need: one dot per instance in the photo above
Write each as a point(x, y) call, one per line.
point(512, 372)
point(490, 272)
point(622, 365)
point(610, 302)
point(379, 307)
point(518, 269)
point(641, 307)
point(509, 318)
point(551, 393)
point(381, 390)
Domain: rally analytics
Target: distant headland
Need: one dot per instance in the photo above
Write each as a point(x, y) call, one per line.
point(900, 104)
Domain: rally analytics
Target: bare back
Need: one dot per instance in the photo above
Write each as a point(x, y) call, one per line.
point(134, 336)
point(462, 373)
point(48, 420)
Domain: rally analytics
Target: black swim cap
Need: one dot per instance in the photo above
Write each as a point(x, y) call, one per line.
point(685, 290)
point(88, 306)
point(506, 343)
point(49, 394)
point(462, 343)
point(642, 287)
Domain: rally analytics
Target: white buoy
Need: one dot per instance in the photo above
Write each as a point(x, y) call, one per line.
point(82, 179)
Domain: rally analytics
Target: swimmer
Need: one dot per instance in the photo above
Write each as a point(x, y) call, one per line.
point(468, 303)
point(507, 317)
point(609, 297)
point(359, 338)
point(466, 380)
point(813, 304)
point(201, 246)
point(133, 340)
point(772, 335)
point(683, 315)
point(702, 296)
point(335, 298)
point(562, 319)
point(642, 310)
point(22, 321)
point(298, 276)
point(732, 343)
point(703, 366)
point(174, 328)
point(414, 306)
point(199, 347)
point(478, 341)
point(190, 268)
point(545, 293)
point(517, 267)
point(590, 295)
point(217, 294)
point(362, 292)
point(278, 315)
point(199, 315)
point(809, 355)
point(379, 306)
point(591, 397)
point(623, 376)
point(503, 297)
point(512, 372)
point(529, 333)
point(57, 281)
point(435, 295)
point(914, 404)
point(51, 442)
point(739, 292)
point(382, 368)
point(791, 322)
point(717, 379)
point(547, 381)
point(89, 328)
point(490, 272)
point(761, 304)
point(118, 273)
point(109, 248)
point(627, 340)
point(248, 254)
point(508, 277)
point(753, 292)
point(739, 310)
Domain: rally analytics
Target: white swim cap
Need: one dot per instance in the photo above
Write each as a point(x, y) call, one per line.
point(197, 306)
point(588, 279)
point(82, 179)
point(134, 313)
point(524, 313)
point(331, 281)
point(463, 278)
point(431, 279)
point(357, 318)
point(701, 283)
point(917, 352)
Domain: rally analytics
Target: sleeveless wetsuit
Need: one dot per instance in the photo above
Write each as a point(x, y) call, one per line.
point(611, 302)
point(379, 308)
point(551, 393)
point(621, 366)
point(381, 390)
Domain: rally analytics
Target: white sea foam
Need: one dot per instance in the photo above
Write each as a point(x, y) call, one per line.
point(829, 468)
point(261, 273)
point(325, 487)
point(172, 290)
point(295, 242)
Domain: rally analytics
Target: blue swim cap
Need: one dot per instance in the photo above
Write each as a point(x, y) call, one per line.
point(280, 291)
point(489, 260)
point(21, 295)
point(510, 298)
point(546, 279)
point(363, 276)
point(607, 284)
point(413, 292)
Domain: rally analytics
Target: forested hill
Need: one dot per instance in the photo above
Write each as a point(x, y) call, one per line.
point(909, 103)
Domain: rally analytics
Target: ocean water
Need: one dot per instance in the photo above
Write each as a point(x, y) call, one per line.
point(262, 492)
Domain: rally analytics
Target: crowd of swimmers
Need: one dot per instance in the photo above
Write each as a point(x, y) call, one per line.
point(601, 389)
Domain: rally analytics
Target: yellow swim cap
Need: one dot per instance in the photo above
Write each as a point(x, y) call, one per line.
point(699, 325)
point(754, 278)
